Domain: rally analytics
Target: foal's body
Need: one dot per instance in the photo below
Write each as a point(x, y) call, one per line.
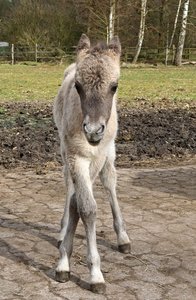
point(86, 118)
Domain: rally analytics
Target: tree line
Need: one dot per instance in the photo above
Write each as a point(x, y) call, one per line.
point(139, 23)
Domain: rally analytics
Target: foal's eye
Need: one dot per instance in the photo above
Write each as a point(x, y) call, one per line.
point(78, 87)
point(114, 87)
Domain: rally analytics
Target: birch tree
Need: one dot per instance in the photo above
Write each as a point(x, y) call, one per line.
point(168, 48)
point(111, 19)
point(180, 46)
point(175, 24)
point(141, 30)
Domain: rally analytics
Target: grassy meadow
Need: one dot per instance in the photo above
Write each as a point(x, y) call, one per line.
point(28, 82)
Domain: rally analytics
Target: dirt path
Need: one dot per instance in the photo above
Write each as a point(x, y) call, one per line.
point(159, 206)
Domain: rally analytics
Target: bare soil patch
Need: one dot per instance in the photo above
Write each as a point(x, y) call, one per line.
point(147, 135)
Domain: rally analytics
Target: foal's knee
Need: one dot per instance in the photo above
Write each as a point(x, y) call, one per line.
point(87, 209)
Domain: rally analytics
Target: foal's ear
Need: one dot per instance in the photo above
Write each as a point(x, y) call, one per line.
point(115, 46)
point(83, 46)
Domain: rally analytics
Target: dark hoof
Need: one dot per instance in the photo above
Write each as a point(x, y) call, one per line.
point(98, 288)
point(62, 276)
point(58, 244)
point(126, 248)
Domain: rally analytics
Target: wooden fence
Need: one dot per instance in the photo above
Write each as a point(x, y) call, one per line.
point(155, 55)
point(17, 53)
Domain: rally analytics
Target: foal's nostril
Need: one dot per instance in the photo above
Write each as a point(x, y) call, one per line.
point(100, 130)
point(86, 128)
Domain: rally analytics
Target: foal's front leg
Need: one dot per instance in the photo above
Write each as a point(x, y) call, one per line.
point(108, 179)
point(87, 210)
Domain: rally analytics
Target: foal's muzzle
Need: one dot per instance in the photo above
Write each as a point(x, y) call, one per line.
point(94, 132)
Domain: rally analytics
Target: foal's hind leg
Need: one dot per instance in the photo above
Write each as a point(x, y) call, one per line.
point(69, 193)
point(68, 226)
point(66, 246)
point(108, 179)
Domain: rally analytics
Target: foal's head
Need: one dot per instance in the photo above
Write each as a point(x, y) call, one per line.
point(96, 81)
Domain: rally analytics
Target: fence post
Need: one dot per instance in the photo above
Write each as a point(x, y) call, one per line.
point(36, 52)
point(12, 54)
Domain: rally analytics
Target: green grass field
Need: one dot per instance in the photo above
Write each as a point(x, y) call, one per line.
point(27, 82)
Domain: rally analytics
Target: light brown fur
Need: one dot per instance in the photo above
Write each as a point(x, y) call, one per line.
point(86, 118)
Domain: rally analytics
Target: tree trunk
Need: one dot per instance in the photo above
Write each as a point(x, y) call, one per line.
point(175, 24)
point(90, 5)
point(161, 23)
point(179, 50)
point(112, 19)
point(167, 45)
point(141, 30)
point(173, 33)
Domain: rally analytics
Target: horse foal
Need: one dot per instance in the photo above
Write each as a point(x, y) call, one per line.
point(86, 118)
